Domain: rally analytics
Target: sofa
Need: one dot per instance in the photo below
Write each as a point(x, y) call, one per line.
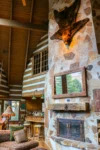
point(6, 144)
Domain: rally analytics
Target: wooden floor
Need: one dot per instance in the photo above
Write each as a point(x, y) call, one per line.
point(43, 144)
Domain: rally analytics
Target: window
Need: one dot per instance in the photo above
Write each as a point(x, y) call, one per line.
point(37, 63)
point(44, 60)
point(15, 108)
point(40, 62)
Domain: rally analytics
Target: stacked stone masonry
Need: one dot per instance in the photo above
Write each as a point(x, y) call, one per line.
point(82, 52)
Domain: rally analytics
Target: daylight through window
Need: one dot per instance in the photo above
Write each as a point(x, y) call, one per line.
point(40, 62)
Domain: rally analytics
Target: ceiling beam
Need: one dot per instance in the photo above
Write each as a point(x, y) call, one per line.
point(24, 2)
point(9, 53)
point(29, 32)
point(16, 24)
point(10, 37)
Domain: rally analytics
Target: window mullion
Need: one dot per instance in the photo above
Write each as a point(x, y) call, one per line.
point(40, 62)
point(33, 65)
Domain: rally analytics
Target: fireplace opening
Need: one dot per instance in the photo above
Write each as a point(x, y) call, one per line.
point(71, 129)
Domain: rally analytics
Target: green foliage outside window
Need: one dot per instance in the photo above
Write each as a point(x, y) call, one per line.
point(73, 85)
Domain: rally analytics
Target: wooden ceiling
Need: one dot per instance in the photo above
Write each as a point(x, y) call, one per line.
point(21, 27)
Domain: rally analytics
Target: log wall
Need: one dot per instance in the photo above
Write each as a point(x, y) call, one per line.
point(34, 84)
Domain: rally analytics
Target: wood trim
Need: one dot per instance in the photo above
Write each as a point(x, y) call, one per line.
point(42, 45)
point(27, 26)
point(43, 37)
point(3, 95)
point(10, 38)
point(34, 87)
point(29, 32)
point(37, 50)
point(34, 81)
point(24, 2)
point(83, 93)
point(15, 98)
point(32, 91)
point(4, 89)
point(34, 78)
point(39, 93)
point(4, 83)
point(16, 86)
point(41, 61)
point(28, 72)
point(42, 42)
point(15, 92)
point(44, 72)
point(39, 74)
point(9, 54)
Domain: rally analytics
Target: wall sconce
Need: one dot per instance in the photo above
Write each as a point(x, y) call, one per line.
point(42, 97)
point(34, 97)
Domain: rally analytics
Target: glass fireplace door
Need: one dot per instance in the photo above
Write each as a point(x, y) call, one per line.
point(71, 129)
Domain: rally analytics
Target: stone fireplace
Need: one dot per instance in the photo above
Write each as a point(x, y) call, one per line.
point(71, 122)
point(70, 129)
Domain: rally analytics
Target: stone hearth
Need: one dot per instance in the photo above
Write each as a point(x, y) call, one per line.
point(75, 144)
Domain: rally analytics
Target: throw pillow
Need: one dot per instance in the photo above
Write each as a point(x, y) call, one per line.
point(20, 136)
point(12, 129)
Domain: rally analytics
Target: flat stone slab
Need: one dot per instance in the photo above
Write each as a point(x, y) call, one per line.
point(77, 107)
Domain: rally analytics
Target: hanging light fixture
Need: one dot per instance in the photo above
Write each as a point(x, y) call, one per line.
point(24, 2)
point(42, 97)
point(34, 97)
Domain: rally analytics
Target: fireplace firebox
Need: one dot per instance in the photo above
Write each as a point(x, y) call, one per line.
point(71, 129)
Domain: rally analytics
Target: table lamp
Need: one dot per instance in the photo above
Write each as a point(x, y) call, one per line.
point(8, 113)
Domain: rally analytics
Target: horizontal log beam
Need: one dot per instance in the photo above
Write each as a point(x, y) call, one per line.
point(16, 24)
point(70, 107)
point(24, 2)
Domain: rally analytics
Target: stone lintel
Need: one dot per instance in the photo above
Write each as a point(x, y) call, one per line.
point(69, 107)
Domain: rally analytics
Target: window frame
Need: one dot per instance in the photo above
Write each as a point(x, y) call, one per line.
point(13, 121)
point(41, 72)
point(71, 95)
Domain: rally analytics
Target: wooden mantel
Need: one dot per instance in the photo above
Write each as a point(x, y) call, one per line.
point(70, 107)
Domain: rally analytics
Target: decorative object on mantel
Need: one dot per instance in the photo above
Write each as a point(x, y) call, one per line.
point(68, 26)
point(70, 84)
point(70, 107)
